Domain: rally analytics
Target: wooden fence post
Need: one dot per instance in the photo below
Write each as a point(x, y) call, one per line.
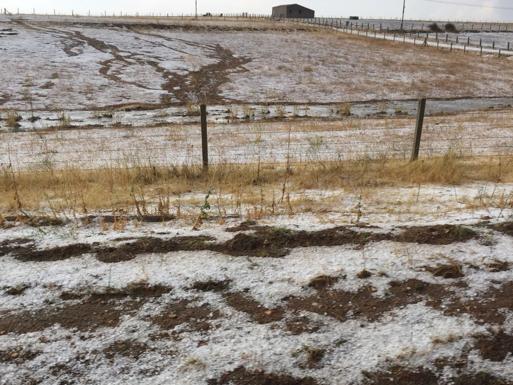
point(204, 138)
point(421, 109)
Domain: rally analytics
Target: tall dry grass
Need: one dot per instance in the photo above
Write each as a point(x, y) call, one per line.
point(122, 188)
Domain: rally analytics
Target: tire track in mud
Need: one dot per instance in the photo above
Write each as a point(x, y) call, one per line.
point(202, 85)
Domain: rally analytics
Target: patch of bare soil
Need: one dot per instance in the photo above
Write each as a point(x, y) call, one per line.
point(313, 358)
point(263, 241)
point(497, 266)
point(128, 348)
point(184, 312)
point(398, 375)
point(322, 282)
point(17, 355)
point(436, 235)
point(259, 313)
point(97, 309)
point(134, 290)
point(14, 245)
point(300, 325)
point(146, 245)
point(496, 347)
point(277, 242)
point(16, 290)
point(212, 285)
point(35, 221)
point(505, 227)
point(140, 218)
point(481, 378)
point(88, 315)
point(58, 253)
point(487, 308)
point(243, 376)
point(245, 226)
point(343, 305)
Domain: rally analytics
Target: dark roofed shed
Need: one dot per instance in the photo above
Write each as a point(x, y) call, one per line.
point(293, 11)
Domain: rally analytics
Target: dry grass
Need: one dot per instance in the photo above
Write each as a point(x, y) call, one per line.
point(257, 185)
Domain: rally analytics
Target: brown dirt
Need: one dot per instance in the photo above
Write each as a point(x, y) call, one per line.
point(259, 313)
point(322, 282)
point(115, 218)
point(133, 290)
point(505, 227)
point(129, 348)
point(436, 235)
point(341, 304)
point(114, 255)
point(211, 285)
point(314, 357)
point(98, 309)
point(53, 254)
point(262, 242)
point(398, 375)
point(277, 242)
point(449, 271)
point(14, 245)
point(152, 245)
point(496, 347)
point(245, 226)
point(242, 376)
point(300, 325)
point(364, 274)
point(85, 316)
point(488, 308)
point(195, 318)
point(17, 355)
point(35, 221)
point(16, 290)
point(480, 379)
point(497, 266)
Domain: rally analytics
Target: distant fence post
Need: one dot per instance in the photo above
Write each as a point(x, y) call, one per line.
point(421, 109)
point(204, 138)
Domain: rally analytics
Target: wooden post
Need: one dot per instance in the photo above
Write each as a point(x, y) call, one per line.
point(421, 109)
point(204, 138)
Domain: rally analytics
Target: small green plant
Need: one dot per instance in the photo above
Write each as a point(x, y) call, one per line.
point(205, 207)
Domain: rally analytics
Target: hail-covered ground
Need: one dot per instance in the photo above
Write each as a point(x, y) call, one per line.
point(359, 295)
point(89, 64)
point(410, 285)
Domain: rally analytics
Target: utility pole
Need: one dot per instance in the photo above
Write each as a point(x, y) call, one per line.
point(402, 18)
point(196, 8)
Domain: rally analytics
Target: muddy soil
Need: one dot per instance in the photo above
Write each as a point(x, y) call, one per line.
point(97, 309)
point(496, 347)
point(211, 285)
point(436, 235)
point(128, 348)
point(184, 312)
point(258, 313)
point(488, 308)
point(343, 305)
point(243, 376)
point(402, 376)
point(84, 316)
point(261, 241)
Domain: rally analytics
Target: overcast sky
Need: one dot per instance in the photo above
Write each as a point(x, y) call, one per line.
point(425, 9)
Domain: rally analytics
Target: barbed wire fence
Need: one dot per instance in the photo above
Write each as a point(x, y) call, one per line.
point(279, 141)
